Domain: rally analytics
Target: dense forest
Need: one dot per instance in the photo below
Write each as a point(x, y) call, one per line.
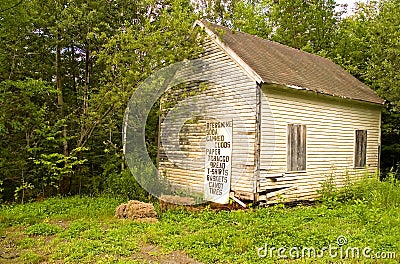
point(69, 67)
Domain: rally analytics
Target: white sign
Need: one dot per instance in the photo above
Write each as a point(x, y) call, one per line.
point(217, 182)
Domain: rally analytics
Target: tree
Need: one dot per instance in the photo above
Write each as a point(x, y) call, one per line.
point(251, 17)
point(309, 25)
point(368, 46)
point(25, 109)
point(90, 55)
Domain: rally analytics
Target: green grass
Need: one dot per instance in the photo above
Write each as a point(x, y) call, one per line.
point(83, 229)
point(42, 229)
point(57, 208)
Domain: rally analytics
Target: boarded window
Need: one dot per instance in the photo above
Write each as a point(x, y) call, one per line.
point(360, 154)
point(296, 147)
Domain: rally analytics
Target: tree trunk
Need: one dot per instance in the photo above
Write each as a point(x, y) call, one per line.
point(87, 79)
point(60, 99)
point(65, 184)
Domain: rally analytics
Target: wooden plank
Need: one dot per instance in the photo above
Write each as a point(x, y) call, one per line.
point(360, 155)
point(272, 194)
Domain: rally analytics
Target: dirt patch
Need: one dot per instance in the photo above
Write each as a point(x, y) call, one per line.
point(15, 244)
point(172, 202)
point(64, 224)
point(177, 200)
point(137, 210)
point(168, 202)
point(8, 250)
point(152, 254)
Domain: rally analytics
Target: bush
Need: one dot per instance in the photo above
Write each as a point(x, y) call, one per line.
point(125, 186)
point(328, 192)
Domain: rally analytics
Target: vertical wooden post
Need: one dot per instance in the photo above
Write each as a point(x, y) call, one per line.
point(257, 147)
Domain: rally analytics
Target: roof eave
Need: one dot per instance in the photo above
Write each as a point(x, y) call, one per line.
point(295, 87)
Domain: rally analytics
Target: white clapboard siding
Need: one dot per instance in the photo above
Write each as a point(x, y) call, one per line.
point(330, 141)
point(236, 100)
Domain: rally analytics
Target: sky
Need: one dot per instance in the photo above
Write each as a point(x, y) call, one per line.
point(350, 3)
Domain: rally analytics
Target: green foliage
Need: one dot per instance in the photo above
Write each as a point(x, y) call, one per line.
point(152, 128)
point(382, 194)
point(68, 70)
point(57, 134)
point(31, 257)
point(251, 17)
point(74, 207)
point(124, 185)
point(92, 241)
point(89, 233)
point(309, 25)
point(22, 188)
point(25, 107)
point(42, 229)
point(328, 191)
point(368, 196)
point(56, 166)
point(76, 228)
point(368, 46)
point(14, 26)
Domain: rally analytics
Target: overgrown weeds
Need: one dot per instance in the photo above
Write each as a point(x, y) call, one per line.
point(369, 190)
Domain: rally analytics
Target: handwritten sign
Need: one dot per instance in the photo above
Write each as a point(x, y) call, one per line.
point(218, 161)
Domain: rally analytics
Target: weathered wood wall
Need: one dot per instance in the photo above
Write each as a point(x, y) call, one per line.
point(235, 99)
point(330, 139)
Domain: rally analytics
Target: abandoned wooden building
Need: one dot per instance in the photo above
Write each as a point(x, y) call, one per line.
point(297, 120)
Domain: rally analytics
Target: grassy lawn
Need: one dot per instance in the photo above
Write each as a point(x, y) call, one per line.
point(84, 230)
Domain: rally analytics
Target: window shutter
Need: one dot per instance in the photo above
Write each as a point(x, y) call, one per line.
point(296, 152)
point(360, 155)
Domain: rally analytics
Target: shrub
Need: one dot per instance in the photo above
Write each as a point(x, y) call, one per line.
point(125, 186)
point(328, 192)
